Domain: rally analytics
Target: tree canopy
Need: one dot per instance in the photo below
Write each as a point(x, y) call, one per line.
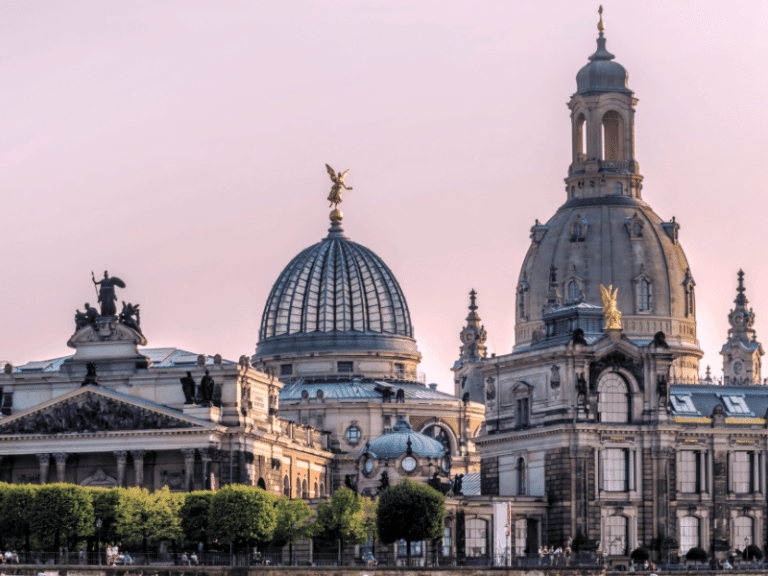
point(194, 516)
point(411, 512)
point(149, 517)
point(292, 521)
point(60, 515)
point(14, 515)
point(242, 515)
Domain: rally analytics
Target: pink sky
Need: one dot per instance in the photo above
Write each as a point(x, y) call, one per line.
point(181, 145)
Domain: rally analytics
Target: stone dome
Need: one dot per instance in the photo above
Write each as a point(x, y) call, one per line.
point(336, 296)
point(602, 74)
point(394, 444)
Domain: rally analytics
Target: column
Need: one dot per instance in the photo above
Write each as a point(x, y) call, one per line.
point(205, 455)
point(189, 468)
point(44, 460)
point(122, 457)
point(138, 466)
point(61, 465)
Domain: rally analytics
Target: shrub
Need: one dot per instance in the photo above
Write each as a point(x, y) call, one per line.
point(753, 552)
point(640, 554)
point(696, 554)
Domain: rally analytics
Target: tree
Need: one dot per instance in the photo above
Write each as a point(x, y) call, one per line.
point(242, 515)
point(14, 515)
point(194, 515)
point(61, 515)
point(149, 517)
point(293, 522)
point(106, 506)
point(696, 554)
point(412, 512)
point(341, 519)
point(640, 554)
point(753, 552)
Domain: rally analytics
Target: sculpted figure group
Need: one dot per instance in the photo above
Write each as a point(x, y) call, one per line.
point(204, 395)
point(105, 293)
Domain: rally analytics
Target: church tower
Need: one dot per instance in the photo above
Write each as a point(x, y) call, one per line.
point(741, 353)
point(605, 232)
point(467, 379)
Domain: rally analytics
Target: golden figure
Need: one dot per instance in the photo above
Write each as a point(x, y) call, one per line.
point(338, 183)
point(610, 307)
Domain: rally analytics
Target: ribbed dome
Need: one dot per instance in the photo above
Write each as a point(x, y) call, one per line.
point(395, 444)
point(602, 74)
point(336, 295)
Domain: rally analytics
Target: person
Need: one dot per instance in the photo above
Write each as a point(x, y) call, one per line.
point(370, 559)
point(109, 554)
point(727, 565)
point(193, 559)
point(185, 559)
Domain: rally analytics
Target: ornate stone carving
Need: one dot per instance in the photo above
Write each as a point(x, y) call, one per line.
point(610, 307)
point(207, 386)
point(138, 455)
point(554, 377)
point(43, 458)
point(130, 316)
point(121, 456)
point(90, 375)
point(94, 414)
point(86, 318)
point(616, 361)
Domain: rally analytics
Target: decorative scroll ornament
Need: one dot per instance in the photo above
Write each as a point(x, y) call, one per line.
point(610, 307)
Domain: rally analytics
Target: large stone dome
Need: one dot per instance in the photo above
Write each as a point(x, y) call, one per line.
point(336, 297)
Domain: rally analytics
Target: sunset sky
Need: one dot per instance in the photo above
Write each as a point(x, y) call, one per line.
point(181, 145)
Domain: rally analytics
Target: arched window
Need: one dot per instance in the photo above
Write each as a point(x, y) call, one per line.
point(439, 434)
point(644, 295)
point(322, 489)
point(743, 532)
point(573, 291)
point(690, 533)
point(578, 231)
point(618, 188)
point(286, 487)
point(580, 137)
point(261, 484)
point(615, 535)
point(298, 487)
point(521, 477)
point(304, 491)
point(612, 136)
point(613, 404)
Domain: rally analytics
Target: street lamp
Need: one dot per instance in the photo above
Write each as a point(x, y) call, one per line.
point(98, 539)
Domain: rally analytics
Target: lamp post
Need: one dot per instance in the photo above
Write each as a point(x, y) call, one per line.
point(98, 539)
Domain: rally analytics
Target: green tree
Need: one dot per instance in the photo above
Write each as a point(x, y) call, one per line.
point(410, 511)
point(106, 506)
point(61, 515)
point(293, 522)
point(194, 515)
point(342, 520)
point(242, 515)
point(14, 515)
point(149, 517)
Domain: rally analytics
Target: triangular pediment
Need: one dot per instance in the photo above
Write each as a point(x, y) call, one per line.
point(91, 409)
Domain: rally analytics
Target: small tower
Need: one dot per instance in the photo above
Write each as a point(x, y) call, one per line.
point(741, 352)
point(471, 355)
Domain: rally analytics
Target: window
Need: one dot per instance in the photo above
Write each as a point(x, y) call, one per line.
point(345, 367)
point(446, 549)
point(286, 487)
point(743, 533)
point(644, 295)
point(618, 188)
point(400, 370)
point(521, 477)
point(315, 493)
point(402, 548)
point(476, 535)
point(521, 536)
point(613, 405)
point(690, 533)
point(736, 405)
point(580, 135)
point(615, 543)
point(573, 291)
point(304, 491)
point(522, 412)
point(322, 489)
point(615, 470)
point(286, 369)
point(612, 136)
point(691, 472)
point(353, 434)
point(683, 404)
point(743, 472)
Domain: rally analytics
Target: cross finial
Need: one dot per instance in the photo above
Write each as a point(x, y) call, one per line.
point(741, 282)
point(472, 296)
point(601, 24)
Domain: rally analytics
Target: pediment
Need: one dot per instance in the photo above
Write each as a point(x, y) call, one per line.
point(95, 410)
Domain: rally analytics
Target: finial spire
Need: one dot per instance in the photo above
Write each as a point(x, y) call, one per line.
point(601, 24)
point(741, 299)
point(472, 296)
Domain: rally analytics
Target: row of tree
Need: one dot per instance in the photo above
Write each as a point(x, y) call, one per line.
point(50, 516)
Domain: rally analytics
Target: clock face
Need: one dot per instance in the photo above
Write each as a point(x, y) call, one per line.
point(409, 463)
point(368, 468)
point(738, 319)
point(469, 337)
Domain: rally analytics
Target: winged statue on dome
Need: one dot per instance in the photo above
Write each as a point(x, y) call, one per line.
point(338, 184)
point(610, 307)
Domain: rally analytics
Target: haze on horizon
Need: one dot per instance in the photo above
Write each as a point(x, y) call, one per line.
point(181, 146)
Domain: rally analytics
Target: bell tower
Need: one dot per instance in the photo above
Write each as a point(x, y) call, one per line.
point(742, 352)
point(603, 129)
point(467, 376)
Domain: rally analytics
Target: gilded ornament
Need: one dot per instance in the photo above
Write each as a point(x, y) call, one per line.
point(610, 307)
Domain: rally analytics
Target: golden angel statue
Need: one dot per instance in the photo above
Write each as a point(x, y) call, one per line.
point(610, 307)
point(338, 183)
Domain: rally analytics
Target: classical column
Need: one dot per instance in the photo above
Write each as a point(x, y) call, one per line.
point(189, 468)
point(205, 455)
point(44, 460)
point(138, 466)
point(121, 456)
point(61, 465)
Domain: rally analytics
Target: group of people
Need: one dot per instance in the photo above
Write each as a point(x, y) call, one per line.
point(189, 559)
point(554, 556)
point(9, 557)
point(114, 557)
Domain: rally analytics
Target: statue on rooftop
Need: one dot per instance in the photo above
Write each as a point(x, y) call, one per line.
point(206, 388)
point(338, 184)
point(610, 307)
point(107, 297)
point(188, 387)
point(86, 318)
point(130, 316)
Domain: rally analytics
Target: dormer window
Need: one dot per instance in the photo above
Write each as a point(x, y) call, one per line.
point(683, 404)
point(736, 405)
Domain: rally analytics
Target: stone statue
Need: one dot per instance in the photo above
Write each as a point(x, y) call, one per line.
point(434, 482)
point(130, 316)
point(384, 481)
point(107, 296)
point(90, 375)
point(581, 385)
point(206, 388)
point(610, 307)
point(87, 318)
point(338, 183)
point(661, 386)
point(457, 481)
point(188, 386)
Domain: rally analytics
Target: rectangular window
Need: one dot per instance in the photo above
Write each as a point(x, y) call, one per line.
point(476, 532)
point(400, 370)
point(615, 470)
point(736, 405)
point(521, 536)
point(522, 412)
point(345, 367)
point(286, 369)
point(447, 540)
point(691, 472)
point(402, 548)
point(741, 470)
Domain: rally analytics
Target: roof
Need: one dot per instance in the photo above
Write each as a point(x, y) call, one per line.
point(358, 388)
point(694, 403)
point(159, 357)
point(400, 440)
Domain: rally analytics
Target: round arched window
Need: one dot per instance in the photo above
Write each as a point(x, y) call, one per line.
point(614, 400)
